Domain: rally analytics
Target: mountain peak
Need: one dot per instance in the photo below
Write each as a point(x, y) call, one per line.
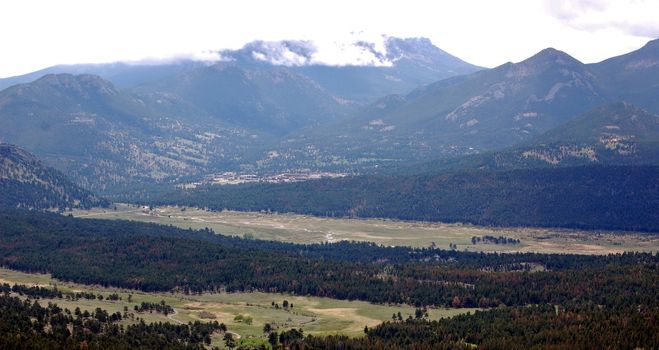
point(652, 43)
point(552, 55)
point(413, 48)
point(542, 61)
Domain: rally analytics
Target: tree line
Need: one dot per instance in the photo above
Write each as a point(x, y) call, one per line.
point(26, 324)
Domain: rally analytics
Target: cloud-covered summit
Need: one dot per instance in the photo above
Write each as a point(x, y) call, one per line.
point(380, 51)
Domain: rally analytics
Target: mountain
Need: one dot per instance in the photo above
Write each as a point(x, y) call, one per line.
point(482, 111)
point(26, 182)
point(103, 137)
point(632, 77)
point(471, 114)
point(272, 99)
point(62, 111)
point(614, 134)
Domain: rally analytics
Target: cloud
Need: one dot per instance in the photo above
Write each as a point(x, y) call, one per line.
point(283, 53)
point(356, 49)
point(201, 56)
point(633, 17)
point(567, 10)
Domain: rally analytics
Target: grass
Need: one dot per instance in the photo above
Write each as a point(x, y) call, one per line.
point(314, 315)
point(309, 229)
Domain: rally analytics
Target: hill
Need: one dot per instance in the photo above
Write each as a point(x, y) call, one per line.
point(273, 107)
point(26, 183)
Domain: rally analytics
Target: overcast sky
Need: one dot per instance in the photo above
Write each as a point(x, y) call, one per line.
point(38, 34)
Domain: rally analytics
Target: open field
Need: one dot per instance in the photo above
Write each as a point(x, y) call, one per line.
point(314, 315)
point(309, 229)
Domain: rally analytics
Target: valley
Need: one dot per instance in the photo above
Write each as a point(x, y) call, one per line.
point(309, 229)
point(314, 315)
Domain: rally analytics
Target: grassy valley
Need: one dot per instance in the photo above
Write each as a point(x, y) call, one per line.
point(320, 316)
point(309, 229)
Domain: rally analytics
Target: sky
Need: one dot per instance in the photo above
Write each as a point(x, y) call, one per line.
point(41, 33)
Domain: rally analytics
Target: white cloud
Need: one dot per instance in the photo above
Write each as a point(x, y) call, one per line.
point(356, 48)
point(638, 18)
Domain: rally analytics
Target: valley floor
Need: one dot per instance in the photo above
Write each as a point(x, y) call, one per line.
point(308, 229)
point(314, 315)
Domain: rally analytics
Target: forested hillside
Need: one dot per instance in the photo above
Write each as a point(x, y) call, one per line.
point(617, 197)
point(41, 324)
point(25, 182)
point(531, 327)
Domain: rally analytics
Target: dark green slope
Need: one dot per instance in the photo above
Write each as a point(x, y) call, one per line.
point(25, 182)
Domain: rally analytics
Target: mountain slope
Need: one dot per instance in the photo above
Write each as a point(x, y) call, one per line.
point(275, 100)
point(102, 137)
point(632, 77)
point(614, 134)
point(26, 182)
point(59, 112)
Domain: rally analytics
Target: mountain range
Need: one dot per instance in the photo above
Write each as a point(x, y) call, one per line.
point(483, 111)
point(273, 107)
point(189, 118)
point(381, 67)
